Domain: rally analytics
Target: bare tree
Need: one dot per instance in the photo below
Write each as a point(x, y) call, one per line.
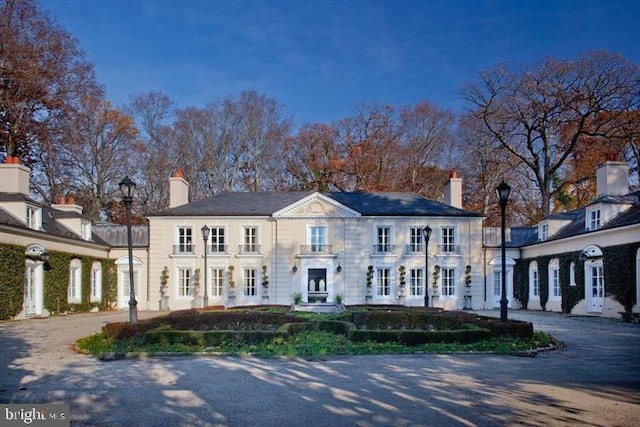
point(526, 111)
point(95, 153)
point(153, 113)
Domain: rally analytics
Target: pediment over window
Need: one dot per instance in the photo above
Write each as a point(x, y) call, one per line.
point(314, 206)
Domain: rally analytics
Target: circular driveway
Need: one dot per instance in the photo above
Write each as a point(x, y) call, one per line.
point(595, 381)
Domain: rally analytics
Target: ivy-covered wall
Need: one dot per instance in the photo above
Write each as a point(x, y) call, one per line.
point(55, 282)
point(619, 264)
point(12, 265)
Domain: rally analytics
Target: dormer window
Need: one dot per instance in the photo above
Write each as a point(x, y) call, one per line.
point(543, 232)
point(86, 230)
point(593, 219)
point(33, 218)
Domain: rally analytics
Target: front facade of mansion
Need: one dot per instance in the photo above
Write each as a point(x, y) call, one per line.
point(275, 248)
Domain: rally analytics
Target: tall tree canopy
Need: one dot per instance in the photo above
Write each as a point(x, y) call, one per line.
point(42, 75)
point(542, 113)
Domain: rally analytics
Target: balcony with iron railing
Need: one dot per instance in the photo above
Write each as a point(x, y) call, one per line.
point(316, 249)
point(414, 249)
point(217, 249)
point(183, 249)
point(383, 249)
point(449, 249)
point(248, 249)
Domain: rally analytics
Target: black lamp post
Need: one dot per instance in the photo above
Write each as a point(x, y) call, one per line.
point(205, 238)
point(127, 188)
point(503, 191)
point(426, 232)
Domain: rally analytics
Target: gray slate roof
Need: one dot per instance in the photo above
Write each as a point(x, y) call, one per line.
point(267, 203)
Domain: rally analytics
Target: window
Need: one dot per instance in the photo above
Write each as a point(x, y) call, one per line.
point(250, 288)
point(534, 280)
point(572, 274)
point(543, 231)
point(317, 238)
point(384, 281)
point(383, 239)
point(217, 240)
point(217, 282)
point(33, 218)
point(126, 287)
point(448, 239)
point(416, 240)
point(593, 216)
point(597, 282)
point(497, 282)
point(554, 279)
point(96, 281)
point(416, 283)
point(250, 240)
point(75, 281)
point(185, 287)
point(185, 241)
point(448, 281)
point(85, 229)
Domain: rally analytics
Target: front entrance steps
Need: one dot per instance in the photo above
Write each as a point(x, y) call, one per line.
point(321, 307)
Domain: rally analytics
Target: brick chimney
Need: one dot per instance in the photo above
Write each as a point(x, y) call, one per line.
point(14, 178)
point(453, 191)
point(68, 205)
point(178, 190)
point(612, 178)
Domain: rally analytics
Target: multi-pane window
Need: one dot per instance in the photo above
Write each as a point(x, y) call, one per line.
point(185, 285)
point(317, 237)
point(185, 240)
point(86, 230)
point(250, 278)
point(448, 239)
point(383, 239)
point(217, 282)
point(96, 282)
point(544, 231)
point(497, 282)
point(217, 239)
point(597, 282)
point(384, 282)
point(33, 220)
point(448, 281)
point(250, 240)
point(75, 281)
point(554, 278)
point(594, 219)
point(126, 287)
point(535, 283)
point(416, 281)
point(416, 240)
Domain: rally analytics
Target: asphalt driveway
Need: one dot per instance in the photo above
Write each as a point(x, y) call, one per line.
point(594, 381)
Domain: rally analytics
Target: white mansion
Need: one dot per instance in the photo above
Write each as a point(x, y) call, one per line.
point(315, 247)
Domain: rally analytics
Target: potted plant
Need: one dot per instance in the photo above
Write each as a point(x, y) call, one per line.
point(164, 298)
point(297, 298)
point(467, 288)
point(402, 281)
point(232, 284)
point(265, 282)
point(369, 280)
point(435, 279)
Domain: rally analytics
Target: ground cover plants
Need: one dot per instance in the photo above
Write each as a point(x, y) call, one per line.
point(277, 331)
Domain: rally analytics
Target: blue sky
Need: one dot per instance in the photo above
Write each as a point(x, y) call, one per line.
point(321, 59)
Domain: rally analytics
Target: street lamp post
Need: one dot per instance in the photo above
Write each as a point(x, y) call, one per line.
point(205, 238)
point(426, 232)
point(503, 191)
point(128, 187)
